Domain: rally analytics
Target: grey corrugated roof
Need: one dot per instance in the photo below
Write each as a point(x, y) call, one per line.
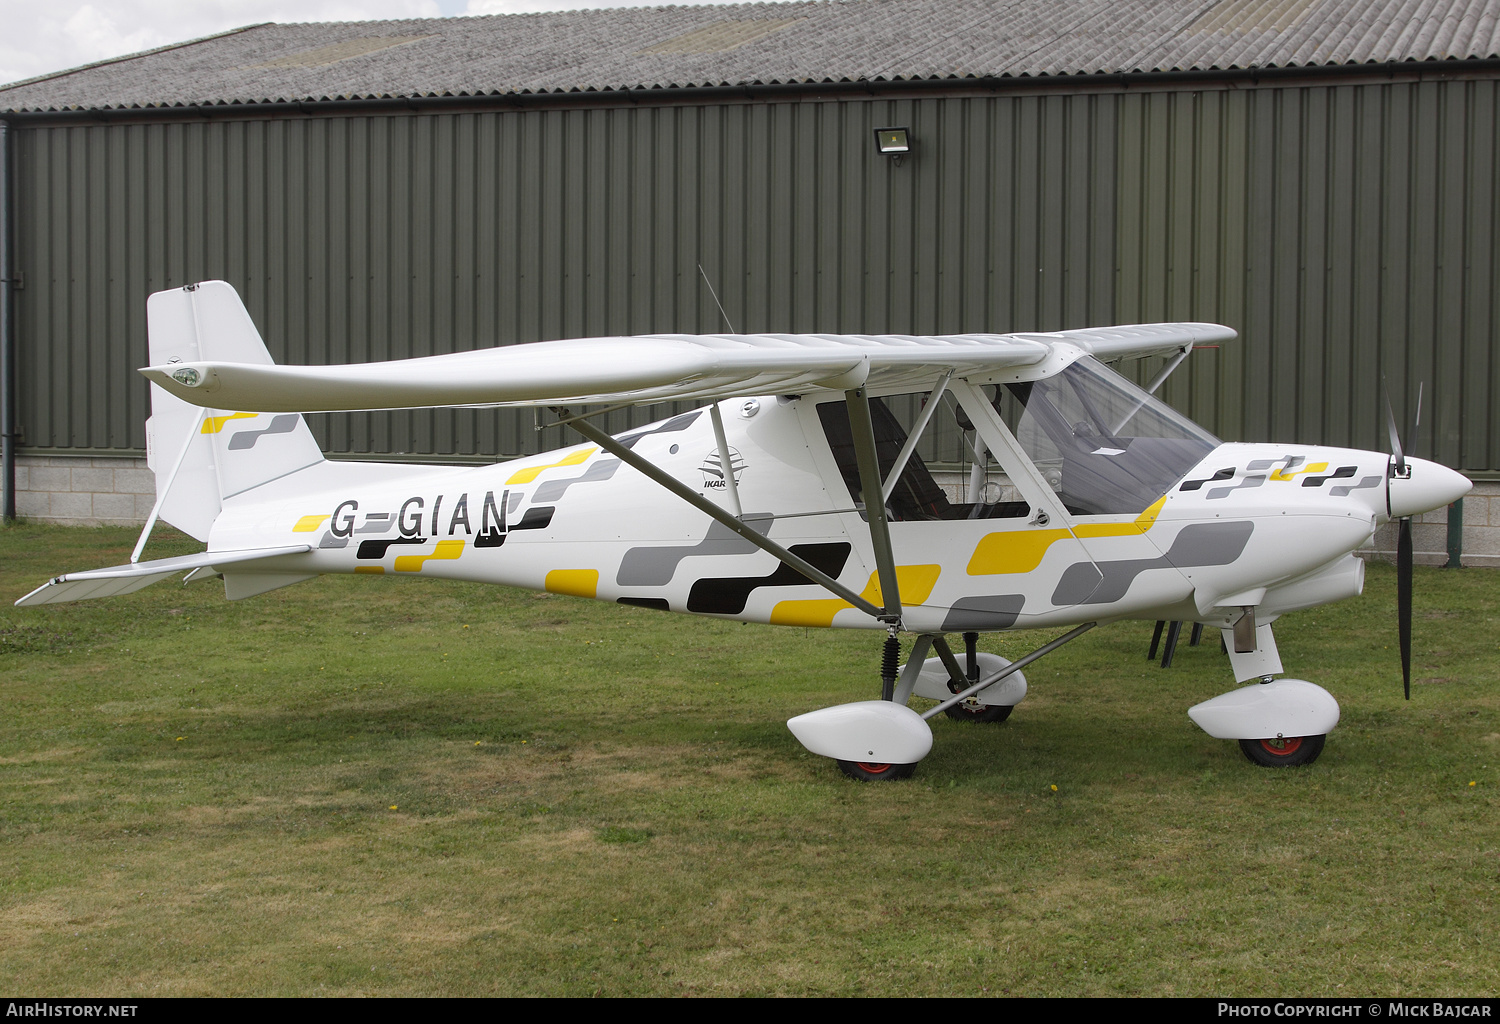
point(766, 43)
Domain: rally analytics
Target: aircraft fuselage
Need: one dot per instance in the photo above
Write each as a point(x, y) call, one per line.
point(1247, 518)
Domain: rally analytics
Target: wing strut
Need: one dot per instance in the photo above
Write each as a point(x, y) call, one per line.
point(140, 545)
point(702, 504)
point(1156, 382)
point(933, 401)
point(868, 461)
point(726, 463)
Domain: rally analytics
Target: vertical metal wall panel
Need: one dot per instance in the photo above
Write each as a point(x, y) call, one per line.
point(1481, 377)
point(1348, 232)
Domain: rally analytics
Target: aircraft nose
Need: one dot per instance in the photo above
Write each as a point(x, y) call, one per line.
point(1429, 486)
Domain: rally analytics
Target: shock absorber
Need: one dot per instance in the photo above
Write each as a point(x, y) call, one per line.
point(890, 666)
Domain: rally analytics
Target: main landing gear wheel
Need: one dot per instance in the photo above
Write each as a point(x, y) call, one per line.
point(867, 771)
point(1284, 753)
point(964, 711)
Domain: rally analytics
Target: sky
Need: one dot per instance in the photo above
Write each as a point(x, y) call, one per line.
point(42, 36)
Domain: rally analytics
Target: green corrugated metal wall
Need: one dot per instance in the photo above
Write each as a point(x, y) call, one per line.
point(1346, 231)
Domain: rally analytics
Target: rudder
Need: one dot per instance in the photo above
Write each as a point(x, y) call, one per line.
point(230, 452)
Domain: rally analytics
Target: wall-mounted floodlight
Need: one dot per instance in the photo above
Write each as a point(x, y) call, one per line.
point(893, 142)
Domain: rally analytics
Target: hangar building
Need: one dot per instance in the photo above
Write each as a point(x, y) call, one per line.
point(1319, 174)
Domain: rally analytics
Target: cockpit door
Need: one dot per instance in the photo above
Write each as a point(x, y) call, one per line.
point(1111, 453)
point(1039, 558)
point(961, 565)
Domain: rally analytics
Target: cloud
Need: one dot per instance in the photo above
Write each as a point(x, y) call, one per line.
point(45, 37)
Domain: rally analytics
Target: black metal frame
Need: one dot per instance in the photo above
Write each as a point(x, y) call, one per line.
point(7, 338)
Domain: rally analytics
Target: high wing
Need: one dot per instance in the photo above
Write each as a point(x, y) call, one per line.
point(655, 368)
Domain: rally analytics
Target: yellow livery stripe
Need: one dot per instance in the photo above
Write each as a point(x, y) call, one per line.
point(915, 582)
point(577, 582)
point(1014, 552)
point(1143, 522)
point(214, 424)
point(1147, 519)
point(1316, 467)
point(808, 613)
point(307, 524)
point(445, 549)
point(525, 476)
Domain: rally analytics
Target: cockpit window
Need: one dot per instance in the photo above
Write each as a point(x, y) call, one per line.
point(916, 496)
point(1104, 445)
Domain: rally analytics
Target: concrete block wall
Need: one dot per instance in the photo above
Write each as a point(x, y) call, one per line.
point(79, 490)
point(1429, 532)
point(956, 485)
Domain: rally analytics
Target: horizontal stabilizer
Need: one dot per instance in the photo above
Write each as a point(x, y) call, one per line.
point(127, 579)
point(655, 368)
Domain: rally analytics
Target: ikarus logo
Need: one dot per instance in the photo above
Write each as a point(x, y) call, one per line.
point(713, 469)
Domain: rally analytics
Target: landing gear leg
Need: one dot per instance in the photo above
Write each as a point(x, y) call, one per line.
point(1020, 663)
point(896, 687)
point(890, 665)
point(970, 709)
point(855, 735)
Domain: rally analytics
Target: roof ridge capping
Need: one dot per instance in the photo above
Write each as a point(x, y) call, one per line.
point(133, 56)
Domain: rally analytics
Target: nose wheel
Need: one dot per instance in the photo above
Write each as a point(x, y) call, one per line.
point(1284, 752)
point(866, 771)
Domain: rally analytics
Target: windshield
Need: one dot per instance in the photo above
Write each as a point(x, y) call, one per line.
point(1104, 445)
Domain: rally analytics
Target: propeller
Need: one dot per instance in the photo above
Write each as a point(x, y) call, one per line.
point(1403, 538)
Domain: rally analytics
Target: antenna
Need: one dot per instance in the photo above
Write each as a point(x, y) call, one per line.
point(716, 300)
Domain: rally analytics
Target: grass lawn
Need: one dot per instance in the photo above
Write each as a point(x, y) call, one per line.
point(414, 787)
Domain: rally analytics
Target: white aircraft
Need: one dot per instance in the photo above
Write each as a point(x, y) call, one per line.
point(756, 507)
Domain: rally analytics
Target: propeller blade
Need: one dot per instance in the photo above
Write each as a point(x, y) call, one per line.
point(1403, 600)
point(1416, 427)
point(1390, 426)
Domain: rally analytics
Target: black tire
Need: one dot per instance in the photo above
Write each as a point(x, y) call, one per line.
point(983, 713)
point(1284, 753)
point(866, 771)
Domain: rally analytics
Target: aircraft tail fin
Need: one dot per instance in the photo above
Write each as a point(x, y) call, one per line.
point(222, 452)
